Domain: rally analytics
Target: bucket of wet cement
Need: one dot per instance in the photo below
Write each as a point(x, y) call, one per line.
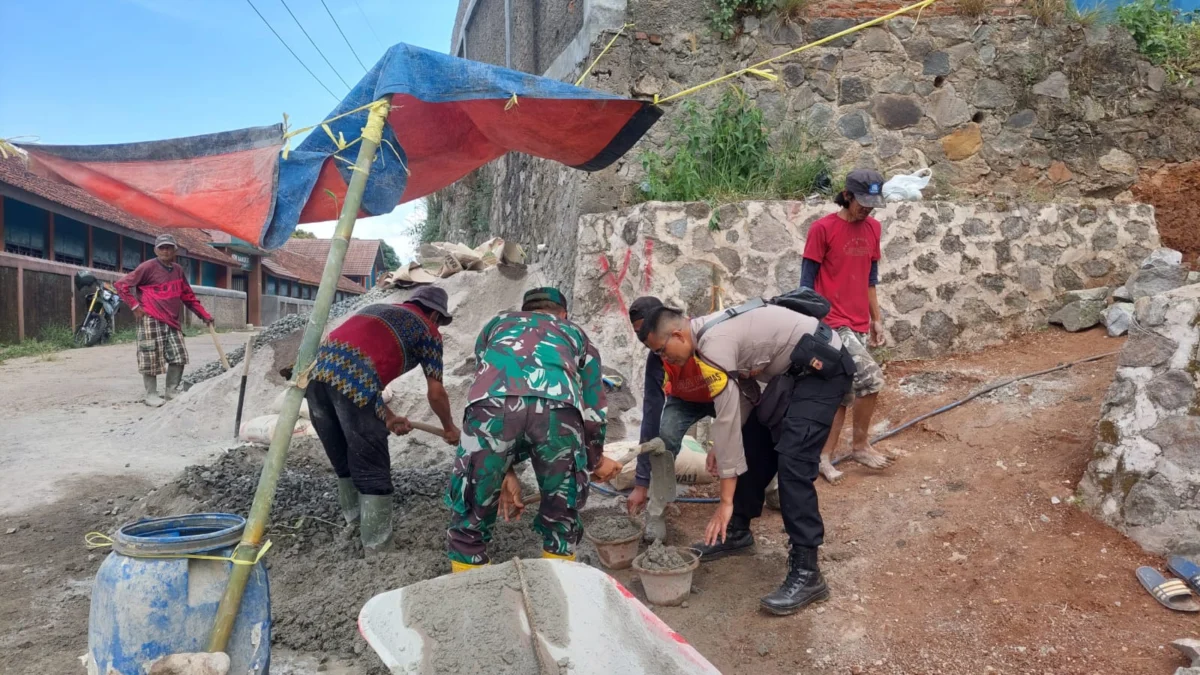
point(666, 573)
point(616, 539)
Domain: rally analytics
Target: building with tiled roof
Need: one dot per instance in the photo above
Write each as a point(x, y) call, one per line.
point(50, 230)
point(364, 257)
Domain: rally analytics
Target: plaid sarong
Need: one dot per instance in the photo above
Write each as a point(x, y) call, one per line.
point(158, 345)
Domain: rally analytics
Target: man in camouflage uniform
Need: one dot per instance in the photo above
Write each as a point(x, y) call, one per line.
point(538, 394)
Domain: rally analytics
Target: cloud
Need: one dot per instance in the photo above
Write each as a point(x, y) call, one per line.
point(391, 227)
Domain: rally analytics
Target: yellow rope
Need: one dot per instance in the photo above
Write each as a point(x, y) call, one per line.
point(756, 69)
point(95, 540)
point(604, 51)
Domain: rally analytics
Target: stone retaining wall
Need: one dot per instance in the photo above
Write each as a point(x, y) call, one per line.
point(1145, 477)
point(953, 276)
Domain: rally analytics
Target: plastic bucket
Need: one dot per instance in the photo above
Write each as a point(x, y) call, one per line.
point(668, 587)
point(152, 596)
point(617, 554)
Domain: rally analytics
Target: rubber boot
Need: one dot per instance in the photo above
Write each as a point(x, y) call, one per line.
point(348, 499)
point(174, 377)
point(152, 398)
point(375, 523)
point(554, 556)
point(738, 541)
point(456, 567)
point(802, 586)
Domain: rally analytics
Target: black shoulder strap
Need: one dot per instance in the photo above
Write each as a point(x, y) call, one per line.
point(729, 314)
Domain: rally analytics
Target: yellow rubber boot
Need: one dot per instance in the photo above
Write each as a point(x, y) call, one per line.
point(554, 556)
point(456, 567)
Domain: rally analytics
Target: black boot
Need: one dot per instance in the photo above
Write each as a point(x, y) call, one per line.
point(803, 585)
point(738, 541)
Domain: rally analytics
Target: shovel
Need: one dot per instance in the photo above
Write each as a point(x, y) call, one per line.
point(220, 352)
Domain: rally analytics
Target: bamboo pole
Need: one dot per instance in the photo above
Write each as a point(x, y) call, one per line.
point(248, 550)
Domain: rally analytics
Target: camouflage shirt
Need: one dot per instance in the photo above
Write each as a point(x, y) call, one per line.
point(536, 354)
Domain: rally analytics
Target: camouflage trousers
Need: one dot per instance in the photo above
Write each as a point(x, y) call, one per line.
point(868, 376)
point(498, 433)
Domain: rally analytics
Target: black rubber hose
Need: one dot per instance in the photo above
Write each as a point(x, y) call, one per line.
point(892, 432)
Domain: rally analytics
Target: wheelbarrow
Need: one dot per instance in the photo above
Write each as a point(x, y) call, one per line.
point(549, 617)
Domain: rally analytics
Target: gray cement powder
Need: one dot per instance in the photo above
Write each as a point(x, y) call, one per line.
point(471, 623)
point(659, 557)
point(613, 528)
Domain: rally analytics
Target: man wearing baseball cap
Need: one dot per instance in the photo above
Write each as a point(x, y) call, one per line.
point(158, 290)
point(376, 345)
point(537, 394)
point(841, 262)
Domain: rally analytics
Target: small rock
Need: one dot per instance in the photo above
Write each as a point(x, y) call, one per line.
point(1055, 85)
point(750, 24)
point(1121, 294)
point(1088, 294)
point(647, 85)
point(962, 143)
point(11, 530)
point(1190, 648)
point(1078, 315)
point(684, 604)
point(763, 650)
point(1044, 518)
point(1055, 500)
point(656, 39)
point(1162, 257)
point(957, 557)
point(1119, 161)
point(1059, 173)
point(1118, 318)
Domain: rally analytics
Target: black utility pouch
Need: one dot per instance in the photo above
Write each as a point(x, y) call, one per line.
point(815, 356)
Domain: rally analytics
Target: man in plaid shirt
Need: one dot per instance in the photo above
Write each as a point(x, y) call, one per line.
point(157, 291)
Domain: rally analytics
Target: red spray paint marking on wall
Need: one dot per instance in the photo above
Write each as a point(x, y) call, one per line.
point(615, 281)
point(649, 257)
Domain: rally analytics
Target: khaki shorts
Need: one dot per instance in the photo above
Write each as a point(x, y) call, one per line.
point(868, 378)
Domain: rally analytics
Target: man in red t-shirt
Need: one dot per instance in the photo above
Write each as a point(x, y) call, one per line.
point(841, 262)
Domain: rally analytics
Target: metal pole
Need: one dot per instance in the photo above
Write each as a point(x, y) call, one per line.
point(247, 550)
point(508, 33)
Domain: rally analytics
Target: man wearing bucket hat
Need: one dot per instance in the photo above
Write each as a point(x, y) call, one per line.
point(537, 394)
point(158, 290)
point(841, 262)
point(376, 345)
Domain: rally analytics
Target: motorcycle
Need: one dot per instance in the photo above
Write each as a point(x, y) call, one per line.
point(101, 317)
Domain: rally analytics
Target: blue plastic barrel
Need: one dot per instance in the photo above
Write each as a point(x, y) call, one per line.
point(145, 607)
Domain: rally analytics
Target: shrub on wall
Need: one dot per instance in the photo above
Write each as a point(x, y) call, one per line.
point(1168, 37)
point(725, 154)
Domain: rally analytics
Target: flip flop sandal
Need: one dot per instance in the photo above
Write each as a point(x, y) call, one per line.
point(1185, 569)
point(1170, 593)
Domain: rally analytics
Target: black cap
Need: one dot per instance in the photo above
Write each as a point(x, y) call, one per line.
point(867, 187)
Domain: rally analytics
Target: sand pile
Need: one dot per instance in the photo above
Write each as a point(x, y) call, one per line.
point(319, 580)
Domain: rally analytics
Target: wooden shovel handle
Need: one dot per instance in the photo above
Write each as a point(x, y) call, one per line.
point(220, 352)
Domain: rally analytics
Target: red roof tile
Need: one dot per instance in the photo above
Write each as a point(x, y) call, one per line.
point(194, 242)
point(290, 265)
point(360, 256)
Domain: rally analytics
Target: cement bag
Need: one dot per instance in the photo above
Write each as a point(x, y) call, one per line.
point(689, 465)
point(907, 188)
point(262, 429)
point(277, 405)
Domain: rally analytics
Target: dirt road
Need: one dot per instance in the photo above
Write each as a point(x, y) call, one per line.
point(73, 415)
point(967, 556)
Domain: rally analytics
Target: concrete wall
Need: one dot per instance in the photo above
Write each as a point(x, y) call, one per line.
point(227, 307)
point(953, 276)
point(1145, 477)
point(275, 307)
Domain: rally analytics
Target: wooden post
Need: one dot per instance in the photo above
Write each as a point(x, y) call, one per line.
point(20, 302)
point(247, 551)
point(87, 262)
point(254, 291)
point(50, 236)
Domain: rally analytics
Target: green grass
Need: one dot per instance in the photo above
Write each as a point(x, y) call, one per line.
point(1168, 37)
point(724, 155)
point(59, 338)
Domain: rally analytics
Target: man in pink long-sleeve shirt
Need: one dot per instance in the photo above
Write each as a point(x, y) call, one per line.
point(157, 291)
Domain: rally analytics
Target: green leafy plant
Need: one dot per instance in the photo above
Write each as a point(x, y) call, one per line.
point(1168, 37)
point(725, 155)
point(430, 229)
point(725, 13)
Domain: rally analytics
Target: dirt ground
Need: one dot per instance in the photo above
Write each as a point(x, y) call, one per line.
point(955, 560)
point(74, 414)
point(1173, 190)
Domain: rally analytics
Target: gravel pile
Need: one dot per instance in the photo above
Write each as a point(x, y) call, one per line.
point(280, 329)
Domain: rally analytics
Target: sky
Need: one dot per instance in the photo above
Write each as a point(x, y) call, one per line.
point(117, 71)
